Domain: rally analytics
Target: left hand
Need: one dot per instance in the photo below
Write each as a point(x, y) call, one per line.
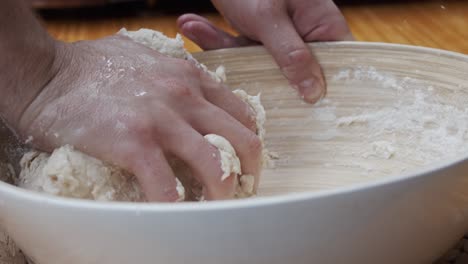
point(282, 26)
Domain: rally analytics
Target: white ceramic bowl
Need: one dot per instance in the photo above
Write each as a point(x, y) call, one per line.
point(336, 215)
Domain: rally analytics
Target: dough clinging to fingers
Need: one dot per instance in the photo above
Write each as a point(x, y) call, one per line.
point(70, 173)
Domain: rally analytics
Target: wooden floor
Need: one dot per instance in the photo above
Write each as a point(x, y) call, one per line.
point(438, 24)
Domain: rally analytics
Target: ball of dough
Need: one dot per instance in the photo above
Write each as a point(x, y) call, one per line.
point(70, 173)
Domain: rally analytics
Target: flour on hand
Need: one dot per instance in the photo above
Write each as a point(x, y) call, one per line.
point(69, 173)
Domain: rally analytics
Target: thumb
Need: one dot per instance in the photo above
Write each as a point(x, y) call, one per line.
point(294, 58)
point(206, 35)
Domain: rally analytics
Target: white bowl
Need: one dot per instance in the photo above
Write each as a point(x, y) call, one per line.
point(339, 213)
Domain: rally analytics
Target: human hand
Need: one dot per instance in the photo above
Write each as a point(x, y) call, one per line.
point(126, 104)
point(282, 26)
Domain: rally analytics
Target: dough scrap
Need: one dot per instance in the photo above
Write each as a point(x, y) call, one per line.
point(70, 173)
point(230, 163)
point(172, 47)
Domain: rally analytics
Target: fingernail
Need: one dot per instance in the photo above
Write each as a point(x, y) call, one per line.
point(311, 90)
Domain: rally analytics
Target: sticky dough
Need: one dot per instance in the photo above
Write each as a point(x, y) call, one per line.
point(70, 173)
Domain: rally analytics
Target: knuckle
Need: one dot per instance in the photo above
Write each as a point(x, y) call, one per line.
point(142, 127)
point(189, 67)
point(296, 61)
point(297, 57)
point(329, 31)
point(177, 89)
point(184, 93)
point(268, 9)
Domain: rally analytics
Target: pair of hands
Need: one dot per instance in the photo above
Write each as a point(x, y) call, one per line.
point(131, 106)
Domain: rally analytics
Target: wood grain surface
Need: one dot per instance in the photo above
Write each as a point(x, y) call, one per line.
point(438, 24)
point(402, 98)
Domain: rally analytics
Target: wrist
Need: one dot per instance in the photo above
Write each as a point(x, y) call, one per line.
point(24, 73)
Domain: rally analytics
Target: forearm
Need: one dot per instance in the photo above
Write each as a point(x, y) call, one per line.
point(28, 55)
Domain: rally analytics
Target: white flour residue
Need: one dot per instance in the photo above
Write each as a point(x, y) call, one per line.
point(361, 73)
point(380, 149)
point(418, 126)
point(426, 129)
point(324, 111)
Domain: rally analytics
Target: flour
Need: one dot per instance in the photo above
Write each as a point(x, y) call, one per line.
point(380, 149)
point(70, 173)
point(230, 163)
point(172, 47)
point(418, 126)
point(360, 73)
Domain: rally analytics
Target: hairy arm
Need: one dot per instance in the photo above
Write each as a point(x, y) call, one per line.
point(28, 59)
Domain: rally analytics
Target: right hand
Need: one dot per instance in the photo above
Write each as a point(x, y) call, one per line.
point(128, 105)
point(282, 26)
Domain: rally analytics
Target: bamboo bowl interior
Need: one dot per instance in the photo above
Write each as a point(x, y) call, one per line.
point(389, 110)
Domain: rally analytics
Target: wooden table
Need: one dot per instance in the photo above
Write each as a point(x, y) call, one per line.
point(438, 24)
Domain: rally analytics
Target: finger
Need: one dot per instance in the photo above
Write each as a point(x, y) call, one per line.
point(203, 160)
point(335, 29)
point(206, 35)
point(348, 37)
point(294, 58)
point(221, 96)
point(154, 175)
point(213, 120)
point(330, 23)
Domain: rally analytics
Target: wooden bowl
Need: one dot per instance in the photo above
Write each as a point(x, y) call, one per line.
point(389, 109)
point(376, 173)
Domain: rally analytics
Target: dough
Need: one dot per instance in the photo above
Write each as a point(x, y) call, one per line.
point(70, 173)
point(172, 47)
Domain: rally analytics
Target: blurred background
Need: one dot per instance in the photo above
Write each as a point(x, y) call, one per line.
point(439, 23)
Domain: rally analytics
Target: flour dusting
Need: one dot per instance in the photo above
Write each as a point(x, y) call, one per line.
point(418, 126)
